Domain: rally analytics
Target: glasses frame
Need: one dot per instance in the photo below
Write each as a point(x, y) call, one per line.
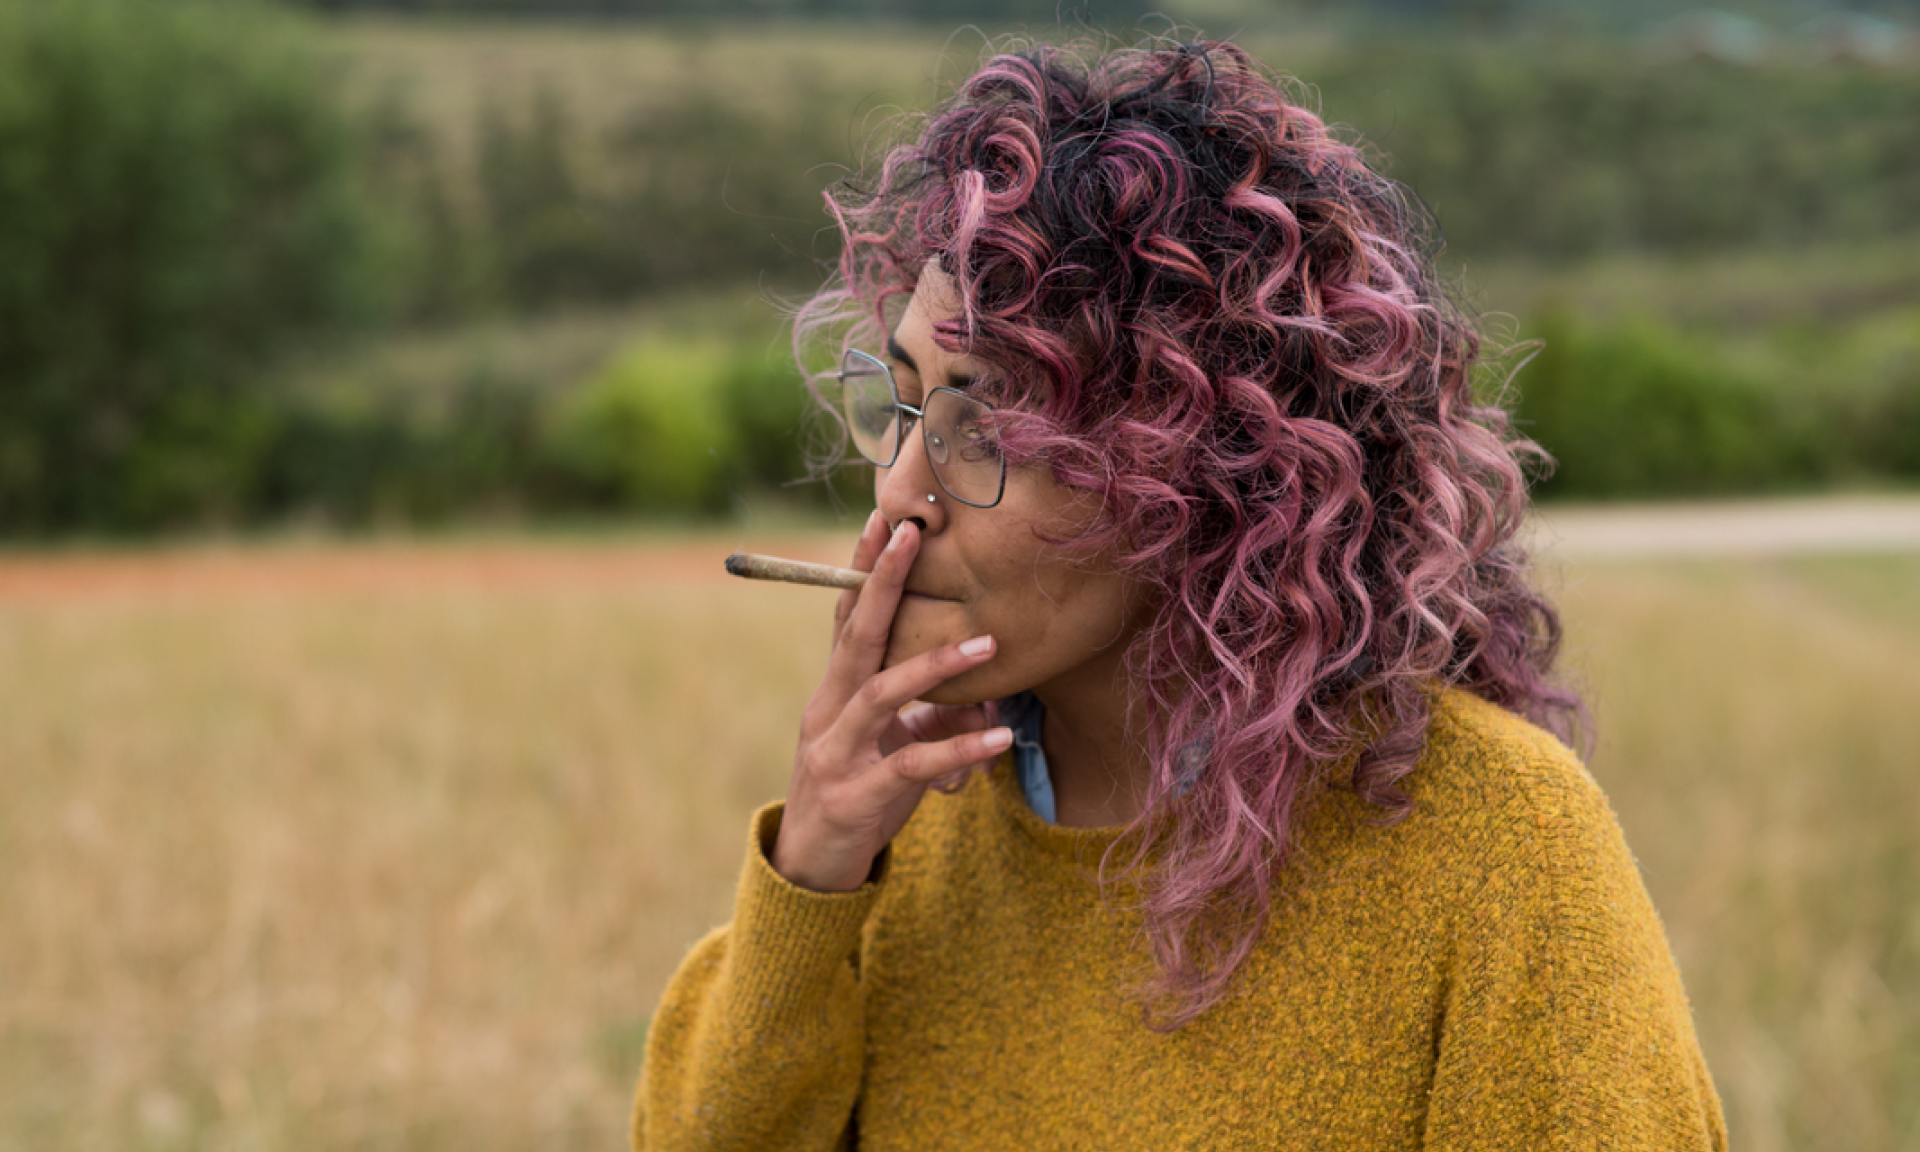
point(901, 412)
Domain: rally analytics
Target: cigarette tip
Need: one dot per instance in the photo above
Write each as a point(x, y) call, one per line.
point(737, 564)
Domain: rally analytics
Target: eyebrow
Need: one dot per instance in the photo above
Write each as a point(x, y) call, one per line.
point(898, 353)
point(955, 380)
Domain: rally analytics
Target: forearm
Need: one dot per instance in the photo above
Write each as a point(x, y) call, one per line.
point(760, 1037)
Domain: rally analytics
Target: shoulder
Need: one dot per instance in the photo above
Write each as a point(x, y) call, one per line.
point(1504, 827)
point(1479, 752)
point(1529, 853)
point(1501, 791)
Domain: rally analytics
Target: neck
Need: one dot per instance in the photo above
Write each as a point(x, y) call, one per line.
point(1096, 753)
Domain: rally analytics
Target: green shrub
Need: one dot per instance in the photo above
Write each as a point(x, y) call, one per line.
point(1895, 429)
point(649, 430)
point(772, 416)
point(547, 416)
point(1638, 410)
point(179, 202)
point(393, 462)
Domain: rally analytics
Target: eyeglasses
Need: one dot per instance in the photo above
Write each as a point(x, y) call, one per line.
point(962, 445)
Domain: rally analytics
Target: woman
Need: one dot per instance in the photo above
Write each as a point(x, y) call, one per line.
point(1184, 494)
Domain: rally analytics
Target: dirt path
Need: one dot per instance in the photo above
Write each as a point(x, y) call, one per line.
point(1838, 524)
point(1733, 528)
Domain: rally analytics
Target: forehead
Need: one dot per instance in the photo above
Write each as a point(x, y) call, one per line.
point(935, 299)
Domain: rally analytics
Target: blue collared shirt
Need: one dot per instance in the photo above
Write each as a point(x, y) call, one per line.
point(1027, 716)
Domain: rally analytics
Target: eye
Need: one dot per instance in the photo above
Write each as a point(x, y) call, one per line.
point(871, 415)
point(977, 440)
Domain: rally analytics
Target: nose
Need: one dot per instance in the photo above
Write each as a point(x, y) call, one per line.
point(901, 491)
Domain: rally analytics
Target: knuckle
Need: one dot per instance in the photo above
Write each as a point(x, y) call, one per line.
point(822, 766)
point(816, 720)
point(833, 801)
point(811, 766)
point(873, 693)
point(911, 760)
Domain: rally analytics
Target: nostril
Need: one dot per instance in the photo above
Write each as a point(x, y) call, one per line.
point(920, 523)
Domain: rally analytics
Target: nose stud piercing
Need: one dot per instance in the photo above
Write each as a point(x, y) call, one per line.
point(930, 498)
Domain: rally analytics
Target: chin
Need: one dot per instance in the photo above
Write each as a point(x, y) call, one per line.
point(969, 688)
point(919, 627)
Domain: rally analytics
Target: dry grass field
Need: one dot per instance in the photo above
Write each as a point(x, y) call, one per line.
point(402, 860)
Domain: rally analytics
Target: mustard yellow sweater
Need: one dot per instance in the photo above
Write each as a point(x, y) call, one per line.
point(1488, 974)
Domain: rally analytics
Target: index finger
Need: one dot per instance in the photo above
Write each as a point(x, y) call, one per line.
point(862, 643)
point(865, 551)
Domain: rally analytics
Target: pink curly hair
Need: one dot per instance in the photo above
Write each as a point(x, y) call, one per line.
point(1208, 310)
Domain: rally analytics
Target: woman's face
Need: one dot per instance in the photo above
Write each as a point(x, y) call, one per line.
point(1061, 619)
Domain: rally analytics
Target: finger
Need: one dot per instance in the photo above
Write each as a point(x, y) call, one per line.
point(863, 642)
point(920, 764)
point(868, 719)
point(873, 537)
point(878, 702)
point(952, 781)
point(923, 722)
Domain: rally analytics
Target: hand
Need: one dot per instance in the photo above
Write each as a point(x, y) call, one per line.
point(862, 764)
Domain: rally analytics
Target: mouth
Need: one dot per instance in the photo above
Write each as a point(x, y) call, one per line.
point(910, 594)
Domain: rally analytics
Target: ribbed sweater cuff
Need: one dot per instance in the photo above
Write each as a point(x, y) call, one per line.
point(789, 942)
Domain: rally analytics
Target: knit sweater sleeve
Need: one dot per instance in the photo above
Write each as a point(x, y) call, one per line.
point(760, 1038)
point(1565, 1024)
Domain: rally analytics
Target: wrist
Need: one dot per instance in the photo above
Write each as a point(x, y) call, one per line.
point(804, 869)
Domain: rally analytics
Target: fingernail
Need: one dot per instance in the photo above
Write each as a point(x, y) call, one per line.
point(873, 518)
point(978, 646)
point(997, 739)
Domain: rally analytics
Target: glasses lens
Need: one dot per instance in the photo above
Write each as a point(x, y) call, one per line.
point(866, 399)
point(964, 448)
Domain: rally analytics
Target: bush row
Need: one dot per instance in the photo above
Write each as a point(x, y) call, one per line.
point(686, 426)
point(1638, 409)
point(693, 425)
point(680, 426)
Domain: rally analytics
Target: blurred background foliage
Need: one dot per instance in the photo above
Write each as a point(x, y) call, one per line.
point(262, 264)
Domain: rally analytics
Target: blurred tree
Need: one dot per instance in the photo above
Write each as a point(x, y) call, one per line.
point(178, 203)
point(650, 430)
point(549, 242)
